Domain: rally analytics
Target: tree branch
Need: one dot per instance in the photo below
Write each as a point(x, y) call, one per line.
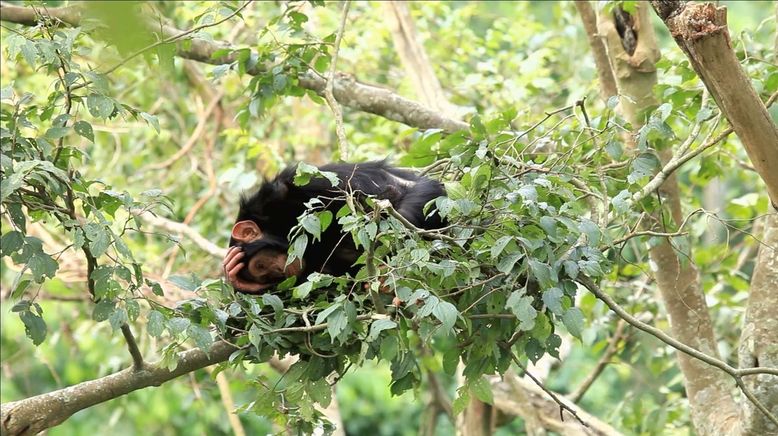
point(132, 345)
point(700, 30)
point(35, 414)
point(328, 94)
point(347, 91)
point(546, 409)
point(604, 71)
point(613, 347)
point(735, 373)
point(176, 227)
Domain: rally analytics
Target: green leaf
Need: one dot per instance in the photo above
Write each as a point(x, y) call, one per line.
point(482, 390)
point(461, 401)
point(299, 245)
point(273, 301)
point(255, 336)
point(543, 273)
point(156, 324)
point(6, 93)
point(312, 225)
point(552, 298)
point(325, 217)
point(302, 290)
point(451, 360)
point(591, 230)
point(84, 129)
point(402, 366)
point(201, 336)
point(177, 325)
point(188, 283)
point(103, 310)
point(42, 265)
point(521, 306)
point(99, 238)
point(152, 120)
point(320, 392)
point(591, 268)
point(574, 321)
point(55, 133)
point(99, 105)
point(499, 245)
point(30, 54)
point(118, 318)
point(447, 314)
point(11, 242)
point(505, 265)
point(336, 323)
point(322, 316)
point(643, 166)
point(133, 309)
point(378, 326)
point(34, 326)
point(571, 269)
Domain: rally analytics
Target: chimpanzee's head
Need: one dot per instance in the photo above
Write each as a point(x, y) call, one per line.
point(265, 255)
point(264, 221)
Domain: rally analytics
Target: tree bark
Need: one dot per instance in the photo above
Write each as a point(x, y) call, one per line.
point(604, 73)
point(476, 419)
point(522, 398)
point(758, 340)
point(414, 58)
point(701, 32)
point(347, 90)
point(709, 390)
point(35, 414)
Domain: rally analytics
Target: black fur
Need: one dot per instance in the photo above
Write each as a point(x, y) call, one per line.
point(277, 204)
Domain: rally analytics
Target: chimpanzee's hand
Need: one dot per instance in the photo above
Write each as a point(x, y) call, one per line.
point(232, 265)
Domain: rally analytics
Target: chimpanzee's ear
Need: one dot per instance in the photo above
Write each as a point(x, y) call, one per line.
point(246, 231)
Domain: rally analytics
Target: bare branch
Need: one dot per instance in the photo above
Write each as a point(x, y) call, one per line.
point(613, 347)
point(328, 94)
point(35, 414)
point(347, 91)
point(176, 227)
point(132, 345)
point(735, 373)
point(604, 71)
point(700, 29)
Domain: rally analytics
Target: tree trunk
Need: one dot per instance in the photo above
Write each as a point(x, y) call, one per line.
point(414, 58)
point(759, 341)
point(708, 389)
point(701, 32)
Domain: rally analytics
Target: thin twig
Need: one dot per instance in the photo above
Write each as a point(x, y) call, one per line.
point(735, 373)
point(554, 397)
point(613, 347)
point(328, 89)
point(647, 233)
point(194, 137)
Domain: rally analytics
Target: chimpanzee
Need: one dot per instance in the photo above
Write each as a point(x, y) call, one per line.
point(256, 259)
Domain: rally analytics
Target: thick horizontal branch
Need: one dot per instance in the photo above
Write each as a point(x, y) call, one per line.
point(347, 91)
point(35, 414)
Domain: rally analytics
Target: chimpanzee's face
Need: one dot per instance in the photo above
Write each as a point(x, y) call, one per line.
point(265, 255)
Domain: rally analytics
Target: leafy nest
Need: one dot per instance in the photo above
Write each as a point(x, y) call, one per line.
point(497, 281)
